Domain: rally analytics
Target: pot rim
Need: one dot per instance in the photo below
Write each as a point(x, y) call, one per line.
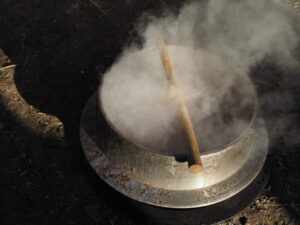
point(209, 152)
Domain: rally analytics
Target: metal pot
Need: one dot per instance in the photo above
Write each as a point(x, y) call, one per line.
point(156, 177)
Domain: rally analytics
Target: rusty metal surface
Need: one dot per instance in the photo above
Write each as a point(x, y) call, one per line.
point(208, 215)
point(160, 180)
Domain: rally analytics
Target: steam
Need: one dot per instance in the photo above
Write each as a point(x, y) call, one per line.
point(244, 33)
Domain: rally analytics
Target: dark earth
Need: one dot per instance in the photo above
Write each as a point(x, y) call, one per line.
point(60, 49)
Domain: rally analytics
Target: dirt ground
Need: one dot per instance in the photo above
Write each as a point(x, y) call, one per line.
point(60, 48)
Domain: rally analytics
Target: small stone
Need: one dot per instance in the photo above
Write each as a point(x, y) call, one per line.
point(243, 220)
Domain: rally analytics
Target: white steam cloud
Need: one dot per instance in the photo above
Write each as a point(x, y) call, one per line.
point(134, 91)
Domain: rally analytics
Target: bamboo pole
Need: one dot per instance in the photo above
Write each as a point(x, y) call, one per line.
point(195, 163)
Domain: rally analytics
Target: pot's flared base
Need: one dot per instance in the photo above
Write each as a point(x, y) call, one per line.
point(212, 214)
point(95, 150)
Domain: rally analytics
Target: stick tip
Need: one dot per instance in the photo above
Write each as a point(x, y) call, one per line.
point(195, 168)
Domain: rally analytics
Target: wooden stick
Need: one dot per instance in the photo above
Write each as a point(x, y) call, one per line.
point(195, 163)
point(170, 72)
